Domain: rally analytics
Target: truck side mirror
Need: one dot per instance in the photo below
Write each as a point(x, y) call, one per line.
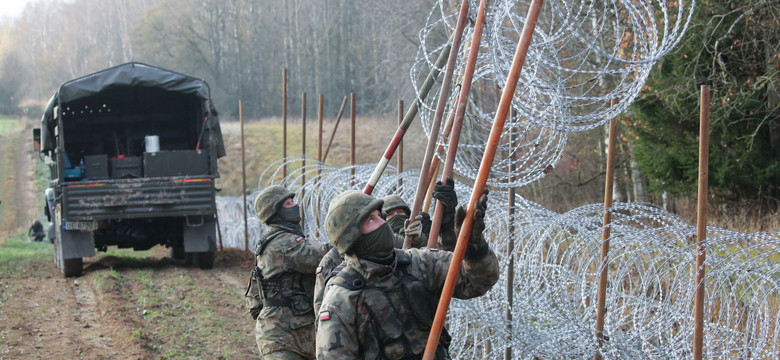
point(37, 139)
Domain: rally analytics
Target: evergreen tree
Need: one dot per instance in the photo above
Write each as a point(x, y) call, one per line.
point(734, 46)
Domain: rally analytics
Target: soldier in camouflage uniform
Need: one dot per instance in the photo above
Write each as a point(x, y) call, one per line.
point(396, 213)
point(382, 304)
point(283, 279)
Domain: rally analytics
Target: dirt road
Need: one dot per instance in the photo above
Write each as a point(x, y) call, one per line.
point(127, 305)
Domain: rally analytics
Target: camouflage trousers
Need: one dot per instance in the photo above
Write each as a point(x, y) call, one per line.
point(296, 344)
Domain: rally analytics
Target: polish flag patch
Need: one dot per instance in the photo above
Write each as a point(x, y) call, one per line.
point(300, 239)
point(319, 270)
point(324, 315)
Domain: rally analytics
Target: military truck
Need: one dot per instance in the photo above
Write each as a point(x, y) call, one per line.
point(132, 152)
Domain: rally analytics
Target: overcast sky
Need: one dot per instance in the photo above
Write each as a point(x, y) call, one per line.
point(11, 8)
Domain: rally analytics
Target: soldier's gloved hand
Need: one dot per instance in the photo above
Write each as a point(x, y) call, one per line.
point(478, 247)
point(413, 228)
point(426, 223)
point(446, 195)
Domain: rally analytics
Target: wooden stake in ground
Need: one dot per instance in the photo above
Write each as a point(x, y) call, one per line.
point(481, 180)
point(335, 127)
point(602, 294)
point(303, 154)
point(352, 159)
point(243, 175)
point(701, 220)
point(284, 121)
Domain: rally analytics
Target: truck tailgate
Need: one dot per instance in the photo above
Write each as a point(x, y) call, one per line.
point(138, 198)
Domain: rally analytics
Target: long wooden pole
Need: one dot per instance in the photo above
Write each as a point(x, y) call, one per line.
point(481, 181)
point(400, 158)
point(399, 134)
point(243, 174)
point(605, 233)
point(701, 220)
point(460, 113)
point(444, 94)
point(320, 115)
point(284, 122)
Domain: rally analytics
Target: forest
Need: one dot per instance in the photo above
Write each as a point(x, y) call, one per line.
point(337, 47)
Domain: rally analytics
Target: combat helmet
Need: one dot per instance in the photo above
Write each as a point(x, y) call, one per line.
point(268, 201)
point(346, 211)
point(393, 202)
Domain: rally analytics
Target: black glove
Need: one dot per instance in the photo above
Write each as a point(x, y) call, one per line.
point(448, 198)
point(478, 247)
point(426, 223)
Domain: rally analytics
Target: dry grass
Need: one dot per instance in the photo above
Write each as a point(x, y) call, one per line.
point(264, 139)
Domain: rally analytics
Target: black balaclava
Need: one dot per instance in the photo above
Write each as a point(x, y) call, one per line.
point(397, 223)
point(376, 246)
point(290, 214)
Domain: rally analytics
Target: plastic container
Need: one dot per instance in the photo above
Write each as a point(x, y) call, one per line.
point(152, 143)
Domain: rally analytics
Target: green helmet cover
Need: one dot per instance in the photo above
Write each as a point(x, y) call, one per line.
point(269, 200)
point(393, 202)
point(346, 211)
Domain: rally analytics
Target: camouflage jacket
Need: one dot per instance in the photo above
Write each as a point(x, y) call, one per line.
point(374, 311)
point(287, 266)
point(333, 262)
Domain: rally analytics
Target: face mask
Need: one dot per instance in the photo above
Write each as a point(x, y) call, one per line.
point(397, 223)
point(290, 214)
point(377, 244)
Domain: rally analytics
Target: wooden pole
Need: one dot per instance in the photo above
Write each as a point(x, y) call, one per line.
point(481, 180)
point(701, 220)
point(320, 114)
point(284, 121)
point(333, 134)
point(605, 233)
point(444, 94)
point(352, 159)
point(303, 154)
point(457, 124)
point(510, 249)
point(243, 174)
point(399, 133)
point(400, 159)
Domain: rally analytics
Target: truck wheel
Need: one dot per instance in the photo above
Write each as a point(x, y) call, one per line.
point(205, 259)
point(177, 253)
point(72, 267)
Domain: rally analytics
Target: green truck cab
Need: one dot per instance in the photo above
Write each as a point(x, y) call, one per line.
point(132, 151)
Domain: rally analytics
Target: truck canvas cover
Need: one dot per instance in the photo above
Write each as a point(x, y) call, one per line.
point(133, 74)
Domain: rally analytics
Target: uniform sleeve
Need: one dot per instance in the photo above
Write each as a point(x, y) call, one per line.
point(336, 333)
point(328, 263)
point(305, 255)
point(475, 278)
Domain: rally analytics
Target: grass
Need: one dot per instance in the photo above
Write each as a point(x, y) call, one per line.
point(20, 258)
point(264, 140)
point(9, 125)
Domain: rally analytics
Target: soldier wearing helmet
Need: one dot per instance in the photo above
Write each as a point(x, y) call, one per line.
point(396, 212)
point(381, 305)
point(283, 279)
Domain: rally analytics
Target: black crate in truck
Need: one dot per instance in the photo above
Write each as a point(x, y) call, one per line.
point(126, 167)
point(176, 163)
point(96, 166)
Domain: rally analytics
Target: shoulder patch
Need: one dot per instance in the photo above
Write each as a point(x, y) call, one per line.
point(324, 315)
point(433, 249)
point(319, 270)
point(300, 239)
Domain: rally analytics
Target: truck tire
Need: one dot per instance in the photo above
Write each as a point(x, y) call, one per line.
point(205, 259)
point(72, 267)
point(177, 253)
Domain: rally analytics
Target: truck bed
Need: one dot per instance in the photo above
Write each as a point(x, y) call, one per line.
point(138, 198)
